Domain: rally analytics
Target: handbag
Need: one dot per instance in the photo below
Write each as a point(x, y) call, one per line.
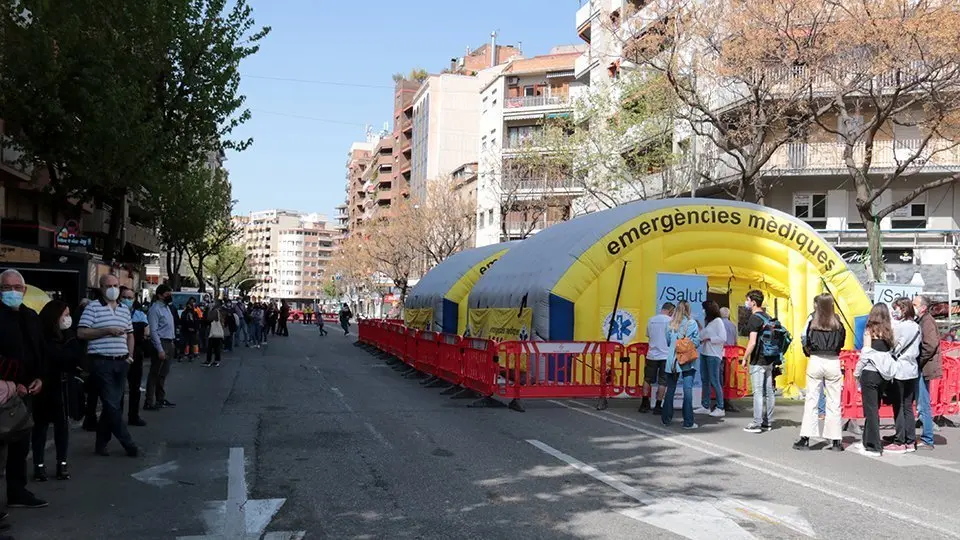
point(15, 419)
point(216, 329)
point(685, 351)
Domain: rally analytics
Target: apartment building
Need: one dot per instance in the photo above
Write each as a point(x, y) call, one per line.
point(287, 252)
point(464, 180)
point(807, 177)
point(358, 161)
point(513, 108)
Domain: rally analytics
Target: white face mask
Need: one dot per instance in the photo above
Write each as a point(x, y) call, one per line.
point(66, 322)
point(746, 304)
point(112, 294)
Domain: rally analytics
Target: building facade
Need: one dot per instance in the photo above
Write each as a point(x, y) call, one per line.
point(807, 177)
point(513, 199)
point(287, 253)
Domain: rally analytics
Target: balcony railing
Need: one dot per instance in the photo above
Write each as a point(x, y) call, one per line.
point(540, 184)
point(524, 102)
point(895, 238)
point(939, 154)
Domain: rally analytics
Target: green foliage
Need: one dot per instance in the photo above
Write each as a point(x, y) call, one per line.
point(227, 266)
point(118, 98)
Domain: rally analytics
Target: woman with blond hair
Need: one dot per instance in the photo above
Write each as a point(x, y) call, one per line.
point(683, 339)
point(822, 343)
point(874, 371)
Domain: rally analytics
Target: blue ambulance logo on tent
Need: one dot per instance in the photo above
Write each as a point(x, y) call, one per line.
point(524, 334)
point(621, 327)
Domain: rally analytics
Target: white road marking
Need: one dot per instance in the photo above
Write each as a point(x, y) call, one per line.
point(343, 400)
point(909, 460)
point(769, 468)
point(376, 435)
point(154, 475)
point(691, 519)
point(239, 517)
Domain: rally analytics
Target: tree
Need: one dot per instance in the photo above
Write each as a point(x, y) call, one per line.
point(442, 223)
point(187, 209)
point(114, 100)
point(226, 267)
point(889, 73)
point(222, 232)
point(615, 148)
point(724, 62)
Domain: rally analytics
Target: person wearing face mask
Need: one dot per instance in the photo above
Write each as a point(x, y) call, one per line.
point(162, 335)
point(21, 348)
point(108, 330)
point(931, 368)
point(135, 375)
point(903, 388)
point(62, 355)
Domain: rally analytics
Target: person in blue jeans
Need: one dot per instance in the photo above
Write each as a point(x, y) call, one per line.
point(761, 368)
point(931, 368)
point(712, 340)
point(680, 327)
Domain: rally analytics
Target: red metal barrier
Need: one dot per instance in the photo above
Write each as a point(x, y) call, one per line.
point(944, 392)
point(450, 359)
point(628, 376)
point(428, 353)
point(363, 332)
point(409, 340)
point(574, 369)
point(736, 382)
point(479, 359)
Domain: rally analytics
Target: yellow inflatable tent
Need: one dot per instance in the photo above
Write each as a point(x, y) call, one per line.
point(563, 283)
point(438, 301)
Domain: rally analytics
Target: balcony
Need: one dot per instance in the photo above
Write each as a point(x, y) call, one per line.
point(895, 239)
point(523, 103)
point(534, 185)
point(940, 155)
point(584, 64)
point(585, 16)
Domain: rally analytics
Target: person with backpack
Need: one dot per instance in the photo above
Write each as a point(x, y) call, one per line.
point(903, 387)
point(345, 316)
point(823, 340)
point(874, 370)
point(683, 339)
point(768, 340)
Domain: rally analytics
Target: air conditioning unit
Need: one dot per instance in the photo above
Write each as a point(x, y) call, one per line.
point(513, 81)
point(888, 277)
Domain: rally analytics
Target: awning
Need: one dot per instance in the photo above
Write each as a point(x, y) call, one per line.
point(528, 116)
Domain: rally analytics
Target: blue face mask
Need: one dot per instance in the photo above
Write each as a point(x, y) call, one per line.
point(12, 299)
point(127, 303)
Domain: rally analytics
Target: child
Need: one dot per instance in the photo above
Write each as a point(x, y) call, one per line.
point(320, 324)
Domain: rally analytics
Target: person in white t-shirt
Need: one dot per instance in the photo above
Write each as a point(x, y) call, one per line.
point(713, 338)
point(654, 371)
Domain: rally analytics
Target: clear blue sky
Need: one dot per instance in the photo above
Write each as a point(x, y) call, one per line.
point(299, 163)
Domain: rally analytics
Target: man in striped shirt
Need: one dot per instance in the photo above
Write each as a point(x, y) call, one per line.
point(108, 330)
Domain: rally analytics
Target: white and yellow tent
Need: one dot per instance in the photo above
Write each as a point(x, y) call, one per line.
point(562, 283)
point(438, 302)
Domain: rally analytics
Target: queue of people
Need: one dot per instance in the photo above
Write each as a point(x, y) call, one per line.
point(899, 358)
point(57, 364)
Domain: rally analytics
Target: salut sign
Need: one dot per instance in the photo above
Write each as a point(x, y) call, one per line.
point(886, 293)
point(675, 288)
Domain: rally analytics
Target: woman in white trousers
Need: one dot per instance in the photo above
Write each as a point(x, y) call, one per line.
point(825, 337)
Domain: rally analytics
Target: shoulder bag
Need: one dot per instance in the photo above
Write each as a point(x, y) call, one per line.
point(15, 419)
point(216, 327)
point(684, 350)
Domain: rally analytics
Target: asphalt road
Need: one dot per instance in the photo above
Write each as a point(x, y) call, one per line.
point(312, 437)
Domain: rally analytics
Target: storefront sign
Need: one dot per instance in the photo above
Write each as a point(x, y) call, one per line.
point(14, 254)
point(69, 236)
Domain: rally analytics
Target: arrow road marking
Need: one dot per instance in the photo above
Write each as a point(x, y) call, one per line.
point(689, 518)
point(239, 517)
point(154, 475)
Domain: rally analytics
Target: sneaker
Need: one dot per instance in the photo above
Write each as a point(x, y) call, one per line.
point(27, 500)
point(136, 422)
point(166, 403)
point(216, 364)
point(701, 410)
point(766, 427)
point(692, 426)
point(802, 444)
point(909, 448)
point(923, 446)
point(753, 427)
point(869, 452)
point(718, 413)
point(836, 446)
point(658, 410)
point(644, 405)
point(895, 448)
point(888, 439)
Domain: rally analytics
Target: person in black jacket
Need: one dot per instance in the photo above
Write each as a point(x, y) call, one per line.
point(190, 330)
point(141, 348)
point(21, 349)
point(824, 339)
point(62, 356)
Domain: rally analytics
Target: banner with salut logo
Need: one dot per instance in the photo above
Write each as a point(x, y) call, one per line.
point(886, 293)
point(674, 288)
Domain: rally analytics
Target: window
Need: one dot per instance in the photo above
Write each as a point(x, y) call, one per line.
point(911, 216)
point(811, 208)
point(529, 91)
point(490, 217)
